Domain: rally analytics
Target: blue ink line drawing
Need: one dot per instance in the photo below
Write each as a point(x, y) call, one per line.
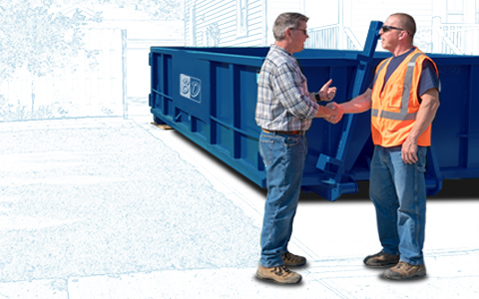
point(90, 58)
point(86, 211)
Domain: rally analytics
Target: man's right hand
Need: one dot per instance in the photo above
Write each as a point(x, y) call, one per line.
point(336, 114)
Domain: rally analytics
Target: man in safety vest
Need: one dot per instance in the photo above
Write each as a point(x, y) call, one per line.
point(403, 99)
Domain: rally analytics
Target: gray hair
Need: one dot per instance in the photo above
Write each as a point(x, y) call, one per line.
point(285, 21)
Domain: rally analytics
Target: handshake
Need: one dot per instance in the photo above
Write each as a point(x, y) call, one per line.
point(332, 111)
point(335, 113)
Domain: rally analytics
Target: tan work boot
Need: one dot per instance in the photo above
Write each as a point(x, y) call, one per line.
point(404, 270)
point(292, 260)
point(279, 274)
point(381, 259)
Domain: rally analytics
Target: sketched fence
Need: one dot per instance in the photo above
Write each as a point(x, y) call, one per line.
point(455, 38)
point(332, 37)
point(323, 37)
point(460, 39)
point(94, 87)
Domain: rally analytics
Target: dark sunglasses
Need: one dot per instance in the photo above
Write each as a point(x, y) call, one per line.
point(386, 28)
point(303, 30)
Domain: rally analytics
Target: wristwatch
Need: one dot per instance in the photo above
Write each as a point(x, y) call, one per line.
point(318, 98)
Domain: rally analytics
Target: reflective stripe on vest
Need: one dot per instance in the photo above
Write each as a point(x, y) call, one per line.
point(403, 113)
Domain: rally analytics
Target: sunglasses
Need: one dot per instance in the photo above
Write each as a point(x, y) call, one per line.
point(386, 28)
point(304, 30)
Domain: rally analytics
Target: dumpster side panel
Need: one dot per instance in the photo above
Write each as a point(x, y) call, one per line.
point(161, 71)
point(453, 106)
point(323, 136)
point(473, 144)
point(210, 98)
point(234, 129)
point(455, 132)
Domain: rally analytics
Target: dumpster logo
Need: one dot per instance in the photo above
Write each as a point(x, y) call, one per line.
point(190, 88)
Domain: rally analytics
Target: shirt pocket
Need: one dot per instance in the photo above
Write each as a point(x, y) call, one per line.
point(299, 79)
point(393, 97)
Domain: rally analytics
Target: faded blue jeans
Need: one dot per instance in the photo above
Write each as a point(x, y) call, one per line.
point(284, 157)
point(398, 191)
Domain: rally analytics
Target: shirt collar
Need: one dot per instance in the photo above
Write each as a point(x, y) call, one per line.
point(278, 48)
point(406, 53)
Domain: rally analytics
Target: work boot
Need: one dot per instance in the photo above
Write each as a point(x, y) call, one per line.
point(279, 274)
point(292, 260)
point(404, 270)
point(381, 259)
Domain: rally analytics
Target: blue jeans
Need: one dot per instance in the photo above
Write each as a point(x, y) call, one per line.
point(398, 191)
point(284, 157)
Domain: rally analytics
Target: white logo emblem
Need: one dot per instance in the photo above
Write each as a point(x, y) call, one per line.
point(190, 88)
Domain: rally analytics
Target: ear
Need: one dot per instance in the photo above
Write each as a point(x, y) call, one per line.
point(403, 34)
point(288, 32)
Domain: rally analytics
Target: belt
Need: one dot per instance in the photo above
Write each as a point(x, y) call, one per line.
point(297, 132)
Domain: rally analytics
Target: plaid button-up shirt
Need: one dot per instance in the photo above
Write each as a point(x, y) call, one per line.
point(283, 96)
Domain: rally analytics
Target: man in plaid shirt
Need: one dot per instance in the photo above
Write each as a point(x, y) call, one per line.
point(285, 110)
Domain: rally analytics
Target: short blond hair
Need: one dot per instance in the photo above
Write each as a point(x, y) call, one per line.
point(407, 23)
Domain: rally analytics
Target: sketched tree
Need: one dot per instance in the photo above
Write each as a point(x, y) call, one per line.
point(157, 9)
point(35, 37)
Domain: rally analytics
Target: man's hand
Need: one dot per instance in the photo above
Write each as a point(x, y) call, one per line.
point(409, 151)
point(327, 93)
point(425, 115)
point(334, 118)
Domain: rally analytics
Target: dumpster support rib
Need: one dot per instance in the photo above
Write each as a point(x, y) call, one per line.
point(336, 166)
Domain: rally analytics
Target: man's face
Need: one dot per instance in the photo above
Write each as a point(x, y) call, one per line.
point(390, 38)
point(299, 36)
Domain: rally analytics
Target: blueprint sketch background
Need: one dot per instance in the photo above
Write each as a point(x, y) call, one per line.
point(84, 203)
point(74, 58)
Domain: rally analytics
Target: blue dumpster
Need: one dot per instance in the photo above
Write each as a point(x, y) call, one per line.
point(209, 96)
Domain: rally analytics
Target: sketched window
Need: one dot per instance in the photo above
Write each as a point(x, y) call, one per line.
point(455, 11)
point(242, 17)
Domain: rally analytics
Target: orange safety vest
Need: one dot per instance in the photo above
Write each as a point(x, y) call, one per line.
point(394, 107)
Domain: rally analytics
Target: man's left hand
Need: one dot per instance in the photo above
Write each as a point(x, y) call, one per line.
point(409, 152)
point(327, 93)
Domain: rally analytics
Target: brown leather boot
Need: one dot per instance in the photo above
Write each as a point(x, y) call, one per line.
point(279, 274)
point(381, 259)
point(404, 270)
point(293, 260)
